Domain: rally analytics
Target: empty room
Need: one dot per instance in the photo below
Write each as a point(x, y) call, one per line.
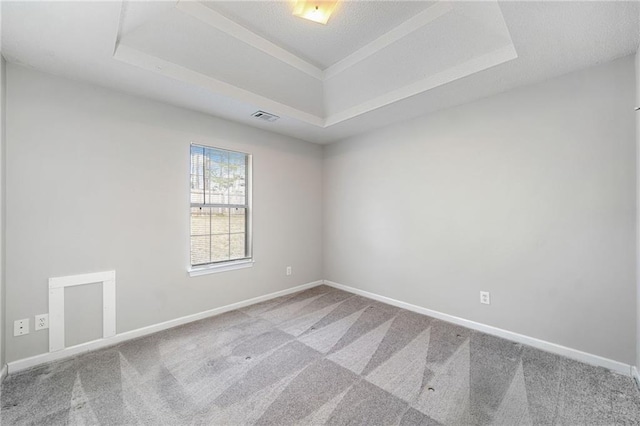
point(288, 212)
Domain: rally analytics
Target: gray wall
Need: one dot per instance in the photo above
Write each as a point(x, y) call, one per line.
point(529, 195)
point(637, 104)
point(2, 207)
point(98, 180)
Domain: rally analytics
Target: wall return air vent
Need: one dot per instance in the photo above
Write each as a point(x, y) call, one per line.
point(262, 115)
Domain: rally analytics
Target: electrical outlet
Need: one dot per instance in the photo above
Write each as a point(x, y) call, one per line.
point(21, 327)
point(42, 322)
point(289, 270)
point(485, 298)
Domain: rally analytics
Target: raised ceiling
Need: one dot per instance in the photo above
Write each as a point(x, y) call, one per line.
point(373, 64)
point(433, 44)
point(352, 25)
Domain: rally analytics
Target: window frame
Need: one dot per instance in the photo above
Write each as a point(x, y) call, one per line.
point(233, 264)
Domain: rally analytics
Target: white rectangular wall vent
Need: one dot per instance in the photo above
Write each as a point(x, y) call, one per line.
point(262, 115)
point(56, 304)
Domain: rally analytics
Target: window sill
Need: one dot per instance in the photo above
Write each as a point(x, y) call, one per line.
point(222, 267)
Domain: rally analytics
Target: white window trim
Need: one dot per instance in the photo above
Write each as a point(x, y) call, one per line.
point(221, 267)
point(231, 265)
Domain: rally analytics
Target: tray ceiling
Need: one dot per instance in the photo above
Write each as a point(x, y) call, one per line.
point(433, 44)
point(352, 25)
point(374, 64)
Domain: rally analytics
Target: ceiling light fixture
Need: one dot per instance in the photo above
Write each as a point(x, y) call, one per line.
point(316, 11)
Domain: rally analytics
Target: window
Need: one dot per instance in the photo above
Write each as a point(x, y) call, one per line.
point(220, 209)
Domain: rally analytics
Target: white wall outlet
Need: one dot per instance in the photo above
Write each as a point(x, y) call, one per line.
point(42, 322)
point(21, 327)
point(289, 270)
point(485, 297)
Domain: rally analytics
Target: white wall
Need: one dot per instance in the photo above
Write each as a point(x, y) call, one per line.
point(98, 180)
point(529, 195)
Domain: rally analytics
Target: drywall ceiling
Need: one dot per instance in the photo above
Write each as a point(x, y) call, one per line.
point(353, 25)
point(375, 63)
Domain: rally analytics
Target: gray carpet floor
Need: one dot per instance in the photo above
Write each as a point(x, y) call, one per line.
point(321, 356)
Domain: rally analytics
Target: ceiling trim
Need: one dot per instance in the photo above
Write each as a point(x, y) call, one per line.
point(211, 17)
point(135, 57)
point(401, 31)
point(119, 29)
point(472, 66)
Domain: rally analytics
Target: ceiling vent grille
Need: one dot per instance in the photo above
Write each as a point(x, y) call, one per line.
point(262, 115)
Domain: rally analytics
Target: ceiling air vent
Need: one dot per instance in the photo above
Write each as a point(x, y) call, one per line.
point(264, 116)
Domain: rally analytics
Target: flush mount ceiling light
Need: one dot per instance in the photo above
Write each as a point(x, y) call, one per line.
point(316, 11)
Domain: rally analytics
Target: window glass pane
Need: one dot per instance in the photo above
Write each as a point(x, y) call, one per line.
point(217, 175)
point(200, 221)
point(197, 174)
point(237, 220)
point(200, 250)
point(219, 247)
point(237, 178)
point(219, 220)
point(238, 246)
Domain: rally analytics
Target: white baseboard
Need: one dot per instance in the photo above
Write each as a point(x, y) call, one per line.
point(3, 373)
point(636, 376)
point(585, 357)
point(23, 364)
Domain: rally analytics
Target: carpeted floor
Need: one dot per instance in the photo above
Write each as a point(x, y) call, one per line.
point(315, 357)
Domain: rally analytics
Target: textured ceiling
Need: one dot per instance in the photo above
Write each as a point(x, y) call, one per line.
point(170, 63)
point(352, 25)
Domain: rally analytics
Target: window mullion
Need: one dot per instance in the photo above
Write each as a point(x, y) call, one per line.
point(204, 177)
point(210, 236)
